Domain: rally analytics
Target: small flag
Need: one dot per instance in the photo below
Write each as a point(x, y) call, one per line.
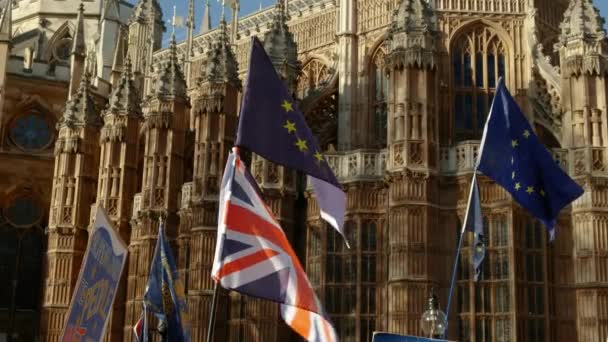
point(272, 126)
point(512, 156)
point(474, 224)
point(140, 330)
point(164, 294)
point(253, 256)
point(178, 21)
point(226, 3)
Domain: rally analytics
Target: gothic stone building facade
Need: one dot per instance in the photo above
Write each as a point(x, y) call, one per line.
point(93, 113)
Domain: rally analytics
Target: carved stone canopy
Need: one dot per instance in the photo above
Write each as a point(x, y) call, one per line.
point(145, 9)
point(412, 37)
point(171, 81)
point(582, 21)
point(222, 66)
point(281, 46)
point(81, 109)
point(125, 97)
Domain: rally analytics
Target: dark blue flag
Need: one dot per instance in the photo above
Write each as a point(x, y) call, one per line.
point(164, 294)
point(272, 126)
point(512, 156)
point(474, 224)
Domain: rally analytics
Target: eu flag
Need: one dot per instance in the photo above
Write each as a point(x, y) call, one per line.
point(164, 294)
point(272, 126)
point(512, 156)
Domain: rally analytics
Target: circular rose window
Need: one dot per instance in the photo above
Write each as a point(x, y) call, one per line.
point(62, 49)
point(31, 132)
point(23, 211)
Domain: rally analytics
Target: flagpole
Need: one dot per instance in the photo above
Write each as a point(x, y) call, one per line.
point(214, 301)
point(455, 266)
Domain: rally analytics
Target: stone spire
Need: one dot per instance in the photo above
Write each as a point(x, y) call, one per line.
point(119, 56)
point(281, 46)
point(81, 108)
point(235, 6)
point(111, 10)
point(412, 36)
point(79, 46)
point(222, 65)
point(125, 97)
point(171, 80)
point(206, 25)
point(582, 20)
point(78, 53)
point(6, 27)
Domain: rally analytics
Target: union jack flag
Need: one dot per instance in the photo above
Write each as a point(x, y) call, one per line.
point(254, 257)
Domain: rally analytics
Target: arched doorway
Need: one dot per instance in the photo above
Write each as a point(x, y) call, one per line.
point(21, 254)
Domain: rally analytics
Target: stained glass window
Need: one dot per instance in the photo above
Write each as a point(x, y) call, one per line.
point(31, 132)
point(478, 61)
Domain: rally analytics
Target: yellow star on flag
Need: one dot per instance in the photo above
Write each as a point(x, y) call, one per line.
point(287, 106)
point(542, 192)
point(517, 186)
point(290, 126)
point(513, 175)
point(530, 190)
point(527, 134)
point(514, 143)
point(301, 144)
point(319, 156)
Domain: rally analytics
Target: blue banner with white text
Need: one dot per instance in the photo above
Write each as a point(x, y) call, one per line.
point(98, 281)
point(386, 337)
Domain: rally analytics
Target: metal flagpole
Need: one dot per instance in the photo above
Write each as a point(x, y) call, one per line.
point(211, 327)
point(455, 267)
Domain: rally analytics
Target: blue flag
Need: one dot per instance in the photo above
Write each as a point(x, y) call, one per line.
point(512, 156)
point(164, 294)
point(474, 224)
point(272, 126)
point(386, 337)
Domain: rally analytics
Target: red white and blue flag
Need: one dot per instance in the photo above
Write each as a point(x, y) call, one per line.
point(254, 257)
point(140, 329)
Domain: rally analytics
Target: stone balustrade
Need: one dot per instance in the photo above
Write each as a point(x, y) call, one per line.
point(369, 165)
point(462, 157)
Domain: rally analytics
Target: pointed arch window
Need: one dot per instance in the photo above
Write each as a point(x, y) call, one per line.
point(347, 279)
point(478, 61)
point(485, 310)
point(21, 266)
point(379, 98)
point(315, 76)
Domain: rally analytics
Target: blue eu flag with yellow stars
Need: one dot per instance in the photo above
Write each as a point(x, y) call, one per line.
point(165, 296)
point(272, 126)
point(512, 156)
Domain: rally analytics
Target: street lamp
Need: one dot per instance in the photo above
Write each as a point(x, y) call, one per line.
point(434, 321)
point(162, 329)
